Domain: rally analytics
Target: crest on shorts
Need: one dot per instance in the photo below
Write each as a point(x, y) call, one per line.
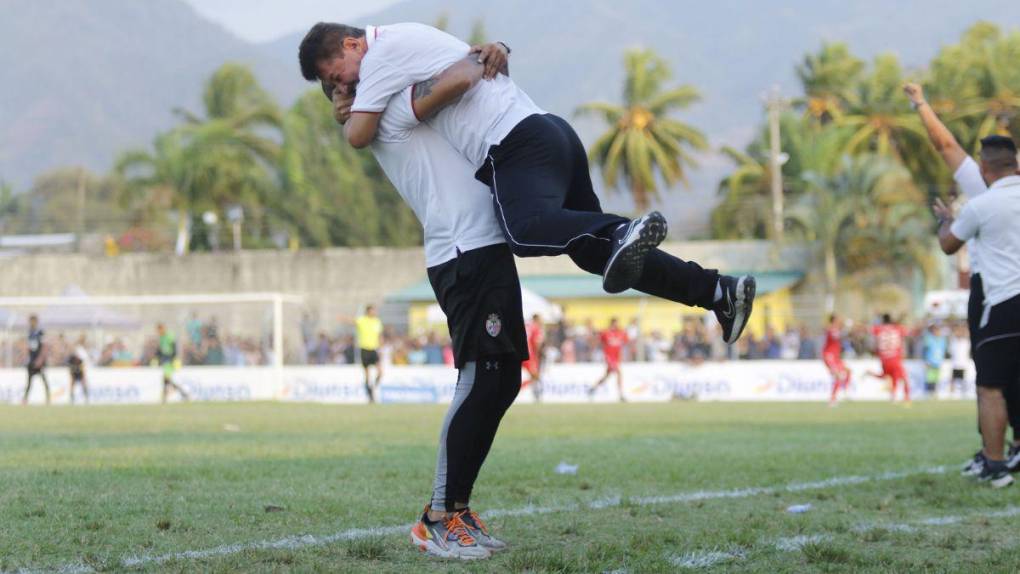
point(493, 325)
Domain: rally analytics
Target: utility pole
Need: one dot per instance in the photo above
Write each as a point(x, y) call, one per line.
point(774, 103)
point(81, 207)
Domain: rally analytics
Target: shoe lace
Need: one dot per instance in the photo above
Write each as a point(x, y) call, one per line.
point(478, 521)
point(455, 526)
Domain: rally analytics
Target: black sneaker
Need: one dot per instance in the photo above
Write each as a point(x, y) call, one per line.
point(1013, 458)
point(975, 465)
point(996, 474)
point(631, 243)
point(734, 309)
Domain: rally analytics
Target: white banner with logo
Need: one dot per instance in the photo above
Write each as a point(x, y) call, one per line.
point(561, 383)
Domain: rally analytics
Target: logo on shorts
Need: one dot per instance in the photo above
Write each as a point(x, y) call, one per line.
point(493, 325)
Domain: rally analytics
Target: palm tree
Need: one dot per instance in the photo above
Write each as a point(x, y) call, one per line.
point(226, 158)
point(896, 237)
point(643, 140)
point(240, 149)
point(334, 194)
point(879, 120)
point(745, 209)
point(166, 176)
point(878, 117)
point(835, 209)
point(827, 78)
point(985, 62)
point(744, 212)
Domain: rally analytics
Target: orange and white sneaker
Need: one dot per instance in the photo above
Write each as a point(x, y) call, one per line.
point(480, 531)
point(447, 538)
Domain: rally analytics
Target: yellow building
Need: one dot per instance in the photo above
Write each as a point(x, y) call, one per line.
point(582, 299)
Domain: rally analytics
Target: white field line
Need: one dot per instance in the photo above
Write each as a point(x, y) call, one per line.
point(302, 541)
point(709, 558)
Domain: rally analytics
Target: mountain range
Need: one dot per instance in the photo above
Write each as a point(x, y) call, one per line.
point(82, 80)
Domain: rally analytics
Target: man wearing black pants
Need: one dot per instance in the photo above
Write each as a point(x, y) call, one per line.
point(536, 150)
point(472, 272)
point(481, 294)
point(972, 181)
point(991, 220)
point(37, 351)
point(533, 163)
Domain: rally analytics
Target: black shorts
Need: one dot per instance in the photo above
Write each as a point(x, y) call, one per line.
point(480, 293)
point(33, 371)
point(975, 306)
point(958, 374)
point(369, 357)
point(997, 355)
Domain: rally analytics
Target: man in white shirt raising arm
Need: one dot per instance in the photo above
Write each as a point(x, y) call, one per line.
point(991, 220)
point(973, 180)
point(533, 162)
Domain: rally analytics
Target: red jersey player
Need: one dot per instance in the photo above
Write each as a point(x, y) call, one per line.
point(613, 340)
point(832, 356)
point(889, 346)
point(533, 366)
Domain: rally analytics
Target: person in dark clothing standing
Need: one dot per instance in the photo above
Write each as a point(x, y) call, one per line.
point(36, 358)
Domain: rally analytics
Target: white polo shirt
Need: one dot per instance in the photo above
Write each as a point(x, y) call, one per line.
point(401, 55)
point(968, 177)
point(453, 207)
point(992, 220)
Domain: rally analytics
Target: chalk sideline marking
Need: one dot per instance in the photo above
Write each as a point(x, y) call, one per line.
point(709, 558)
point(303, 541)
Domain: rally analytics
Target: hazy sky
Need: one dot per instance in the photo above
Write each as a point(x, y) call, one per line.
point(260, 20)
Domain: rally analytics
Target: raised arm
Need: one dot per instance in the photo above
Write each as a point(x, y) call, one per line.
point(943, 140)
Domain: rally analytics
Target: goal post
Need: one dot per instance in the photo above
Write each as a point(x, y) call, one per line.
point(99, 313)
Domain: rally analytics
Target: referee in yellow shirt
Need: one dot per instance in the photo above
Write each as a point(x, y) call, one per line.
point(369, 329)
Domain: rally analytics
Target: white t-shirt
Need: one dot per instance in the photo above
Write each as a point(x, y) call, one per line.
point(959, 352)
point(401, 55)
point(993, 221)
point(968, 177)
point(453, 207)
point(83, 355)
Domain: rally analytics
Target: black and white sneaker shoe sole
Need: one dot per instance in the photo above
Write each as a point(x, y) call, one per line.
point(742, 306)
point(624, 268)
point(998, 481)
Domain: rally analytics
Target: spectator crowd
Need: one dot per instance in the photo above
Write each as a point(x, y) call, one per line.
point(202, 342)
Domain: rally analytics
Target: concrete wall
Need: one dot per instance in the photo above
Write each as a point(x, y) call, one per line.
point(334, 282)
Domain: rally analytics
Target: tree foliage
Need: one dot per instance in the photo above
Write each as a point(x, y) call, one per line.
point(861, 170)
point(645, 142)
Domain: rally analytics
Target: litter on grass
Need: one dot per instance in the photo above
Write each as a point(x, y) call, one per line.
point(566, 468)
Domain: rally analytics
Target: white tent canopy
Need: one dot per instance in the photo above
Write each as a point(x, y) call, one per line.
point(531, 302)
point(81, 313)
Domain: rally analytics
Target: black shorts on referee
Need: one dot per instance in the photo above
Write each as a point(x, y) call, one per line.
point(369, 357)
point(480, 293)
point(997, 352)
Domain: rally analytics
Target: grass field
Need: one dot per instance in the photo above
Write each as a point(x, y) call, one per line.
point(137, 488)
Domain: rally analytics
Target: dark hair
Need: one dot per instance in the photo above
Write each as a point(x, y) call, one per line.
point(999, 152)
point(886, 318)
point(832, 318)
point(999, 142)
point(322, 42)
